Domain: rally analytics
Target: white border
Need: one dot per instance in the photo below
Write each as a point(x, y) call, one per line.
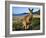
point(30, 31)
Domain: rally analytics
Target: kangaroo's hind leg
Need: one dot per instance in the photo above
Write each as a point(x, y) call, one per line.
point(24, 25)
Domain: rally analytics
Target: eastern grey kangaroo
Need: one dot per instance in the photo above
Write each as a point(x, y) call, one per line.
point(27, 20)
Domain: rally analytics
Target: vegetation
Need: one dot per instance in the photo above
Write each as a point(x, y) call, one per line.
point(17, 25)
point(35, 23)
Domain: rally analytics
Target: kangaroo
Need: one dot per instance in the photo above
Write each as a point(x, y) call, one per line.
point(27, 20)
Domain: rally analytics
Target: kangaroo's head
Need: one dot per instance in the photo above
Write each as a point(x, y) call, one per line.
point(30, 10)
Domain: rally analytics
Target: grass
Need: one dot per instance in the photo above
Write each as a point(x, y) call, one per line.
point(35, 24)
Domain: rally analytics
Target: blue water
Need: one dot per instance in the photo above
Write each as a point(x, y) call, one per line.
point(23, 14)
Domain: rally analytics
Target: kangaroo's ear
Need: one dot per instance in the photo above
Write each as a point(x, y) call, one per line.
point(32, 9)
point(29, 9)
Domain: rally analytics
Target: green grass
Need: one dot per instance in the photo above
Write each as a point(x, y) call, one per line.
point(35, 23)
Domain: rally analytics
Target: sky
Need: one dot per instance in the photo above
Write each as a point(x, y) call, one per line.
point(18, 10)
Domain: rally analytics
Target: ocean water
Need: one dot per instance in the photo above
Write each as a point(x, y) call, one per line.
point(22, 14)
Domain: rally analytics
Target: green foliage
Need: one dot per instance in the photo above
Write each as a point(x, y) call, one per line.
point(17, 25)
point(35, 22)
